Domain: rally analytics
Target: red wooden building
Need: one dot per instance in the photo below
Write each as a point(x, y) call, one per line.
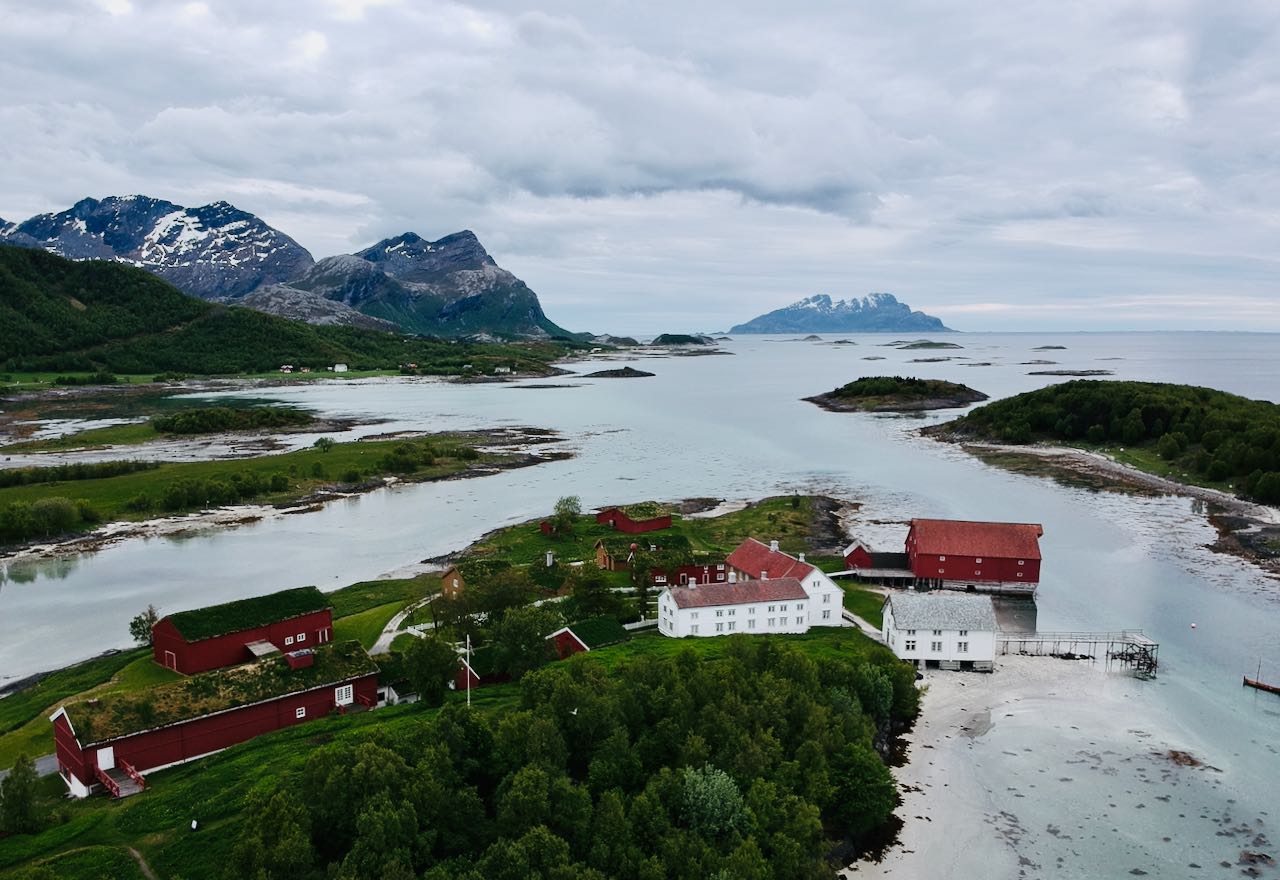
point(684, 575)
point(113, 741)
point(586, 635)
point(617, 518)
point(752, 560)
point(992, 557)
point(224, 635)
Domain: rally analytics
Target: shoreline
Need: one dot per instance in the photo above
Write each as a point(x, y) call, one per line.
point(1035, 770)
point(519, 446)
point(1237, 520)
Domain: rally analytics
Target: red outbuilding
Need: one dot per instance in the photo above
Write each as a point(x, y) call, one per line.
point(987, 556)
point(111, 742)
point(617, 518)
point(224, 635)
point(586, 635)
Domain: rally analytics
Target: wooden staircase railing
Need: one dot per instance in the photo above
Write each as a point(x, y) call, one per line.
point(133, 774)
point(107, 781)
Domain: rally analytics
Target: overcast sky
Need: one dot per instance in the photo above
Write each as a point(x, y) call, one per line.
point(687, 165)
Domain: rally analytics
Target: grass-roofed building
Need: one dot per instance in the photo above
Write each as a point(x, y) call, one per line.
point(234, 632)
point(112, 741)
point(586, 635)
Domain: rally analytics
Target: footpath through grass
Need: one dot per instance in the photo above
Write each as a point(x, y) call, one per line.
point(867, 604)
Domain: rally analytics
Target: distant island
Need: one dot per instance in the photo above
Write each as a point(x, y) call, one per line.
point(681, 339)
point(877, 313)
point(896, 394)
point(623, 373)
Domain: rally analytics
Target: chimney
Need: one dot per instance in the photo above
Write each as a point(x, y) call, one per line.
point(773, 545)
point(733, 576)
point(802, 557)
point(551, 558)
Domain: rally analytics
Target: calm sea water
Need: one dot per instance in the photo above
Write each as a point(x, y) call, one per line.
point(734, 427)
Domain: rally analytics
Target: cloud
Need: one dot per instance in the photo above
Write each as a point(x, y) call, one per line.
point(1032, 156)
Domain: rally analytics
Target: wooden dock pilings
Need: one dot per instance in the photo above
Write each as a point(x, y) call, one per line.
point(1129, 647)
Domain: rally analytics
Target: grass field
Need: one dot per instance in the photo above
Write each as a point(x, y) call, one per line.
point(366, 626)
point(306, 471)
point(867, 604)
point(111, 435)
point(369, 594)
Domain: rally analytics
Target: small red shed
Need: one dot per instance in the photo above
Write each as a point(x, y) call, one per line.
point(112, 741)
point(221, 635)
point(586, 635)
point(617, 518)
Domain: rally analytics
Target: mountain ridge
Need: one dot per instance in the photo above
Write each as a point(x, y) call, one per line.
point(874, 313)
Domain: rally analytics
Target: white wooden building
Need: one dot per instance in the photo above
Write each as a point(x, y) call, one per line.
point(942, 630)
point(753, 561)
point(770, 606)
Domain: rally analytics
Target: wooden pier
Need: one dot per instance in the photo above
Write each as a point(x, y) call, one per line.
point(1129, 647)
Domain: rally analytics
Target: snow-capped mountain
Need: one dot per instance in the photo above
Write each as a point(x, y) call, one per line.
point(449, 287)
point(820, 314)
point(214, 252)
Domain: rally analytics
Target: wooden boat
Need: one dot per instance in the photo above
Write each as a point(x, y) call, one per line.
point(1261, 685)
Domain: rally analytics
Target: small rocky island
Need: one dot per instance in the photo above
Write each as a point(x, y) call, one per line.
point(896, 394)
point(624, 373)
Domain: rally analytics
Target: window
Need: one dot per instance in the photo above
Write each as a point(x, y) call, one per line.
point(719, 613)
point(826, 598)
point(963, 633)
point(800, 621)
point(302, 637)
point(732, 612)
point(693, 615)
point(978, 560)
point(751, 624)
point(826, 615)
point(733, 624)
point(937, 632)
point(962, 647)
point(942, 571)
point(773, 608)
point(288, 640)
point(1022, 561)
point(751, 610)
point(911, 632)
point(1019, 574)
point(772, 621)
point(344, 695)
point(942, 559)
point(782, 607)
point(800, 607)
point(910, 645)
point(936, 647)
point(977, 571)
point(719, 627)
point(300, 712)
point(694, 629)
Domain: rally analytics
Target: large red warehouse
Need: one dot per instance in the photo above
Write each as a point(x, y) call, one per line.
point(993, 557)
point(113, 740)
point(224, 635)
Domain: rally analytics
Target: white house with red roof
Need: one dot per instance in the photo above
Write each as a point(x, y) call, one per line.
point(779, 605)
point(755, 561)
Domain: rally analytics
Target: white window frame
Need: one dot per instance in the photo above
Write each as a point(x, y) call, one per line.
point(963, 633)
point(826, 615)
point(910, 645)
point(935, 647)
point(302, 637)
point(962, 647)
point(694, 629)
point(288, 640)
point(751, 624)
point(773, 621)
point(300, 712)
point(826, 598)
point(344, 695)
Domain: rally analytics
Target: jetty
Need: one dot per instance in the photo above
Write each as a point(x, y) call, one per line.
point(1261, 685)
point(1128, 647)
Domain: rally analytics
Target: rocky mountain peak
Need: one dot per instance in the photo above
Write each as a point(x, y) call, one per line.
point(820, 314)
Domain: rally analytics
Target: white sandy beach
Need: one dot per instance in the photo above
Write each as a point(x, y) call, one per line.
point(1057, 768)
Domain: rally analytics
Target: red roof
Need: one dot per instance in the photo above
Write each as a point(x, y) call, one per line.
point(757, 560)
point(741, 593)
point(960, 538)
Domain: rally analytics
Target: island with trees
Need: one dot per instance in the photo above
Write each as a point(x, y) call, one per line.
point(897, 394)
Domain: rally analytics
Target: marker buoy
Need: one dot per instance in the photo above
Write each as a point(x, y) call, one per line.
point(1193, 626)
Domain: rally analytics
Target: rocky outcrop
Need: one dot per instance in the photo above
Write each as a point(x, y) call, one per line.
point(879, 312)
point(215, 252)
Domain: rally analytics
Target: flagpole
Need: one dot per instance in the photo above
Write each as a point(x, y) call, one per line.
point(469, 672)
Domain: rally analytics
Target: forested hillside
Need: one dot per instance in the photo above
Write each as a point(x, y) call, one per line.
point(56, 314)
point(1211, 434)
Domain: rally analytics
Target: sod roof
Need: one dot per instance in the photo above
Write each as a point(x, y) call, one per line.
point(597, 632)
point(218, 620)
point(117, 715)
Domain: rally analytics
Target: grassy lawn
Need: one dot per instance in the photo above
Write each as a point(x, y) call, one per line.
point(40, 380)
point(366, 626)
point(111, 435)
point(306, 470)
point(369, 594)
point(1146, 459)
point(402, 642)
point(771, 519)
point(867, 604)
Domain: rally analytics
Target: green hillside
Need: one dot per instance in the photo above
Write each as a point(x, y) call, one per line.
point(61, 315)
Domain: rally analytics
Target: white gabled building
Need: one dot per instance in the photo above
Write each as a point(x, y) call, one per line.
point(942, 630)
point(759, 606)
point(754, 561)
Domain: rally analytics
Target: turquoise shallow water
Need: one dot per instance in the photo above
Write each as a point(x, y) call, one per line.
point(735, 427)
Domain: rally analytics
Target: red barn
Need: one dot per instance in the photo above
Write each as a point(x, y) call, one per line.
point(586, 635)
point(112, 741)
point(617, 518)
point(224, 635)
point(993, 557)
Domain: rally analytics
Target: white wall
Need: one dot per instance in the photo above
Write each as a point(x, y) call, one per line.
point(791, 616)
point(825, 599)
point(981, 643)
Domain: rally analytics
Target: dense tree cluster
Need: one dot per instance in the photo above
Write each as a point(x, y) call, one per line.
point(67, 472)
point(1211, 434)
point(46, 518)
point(750, 767)
point(213, 419)
point(899, 386)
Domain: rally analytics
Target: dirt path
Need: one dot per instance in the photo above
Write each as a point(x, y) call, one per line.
point(142, 864)
point(394, 627)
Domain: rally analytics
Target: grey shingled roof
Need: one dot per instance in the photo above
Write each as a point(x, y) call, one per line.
point(943, 610)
